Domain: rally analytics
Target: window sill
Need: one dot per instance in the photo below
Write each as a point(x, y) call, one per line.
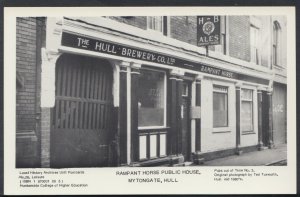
point(153, 127)
point(155, 32)
point(248, 132)
point(153, 130)
point(222, 130)
point(279, 67)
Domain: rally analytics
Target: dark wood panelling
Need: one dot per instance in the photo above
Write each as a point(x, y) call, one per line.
point(179, 118)
point(173, 131)
point(157, 133)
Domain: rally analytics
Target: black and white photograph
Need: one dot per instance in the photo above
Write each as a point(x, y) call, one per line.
point(161, 94)
point(151, 91)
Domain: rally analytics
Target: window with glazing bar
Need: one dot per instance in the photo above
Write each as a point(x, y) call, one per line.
point(220, 106)
point(222, 47)
point(254, 44)
point(246, 110)
point(276, 43)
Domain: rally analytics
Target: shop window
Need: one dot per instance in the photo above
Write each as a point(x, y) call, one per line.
point(152, 98)
point(276, 43)
point(247, 110)
point(220, 106)
point(254, 44)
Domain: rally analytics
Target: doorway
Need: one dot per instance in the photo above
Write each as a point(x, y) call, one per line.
point(81, 119)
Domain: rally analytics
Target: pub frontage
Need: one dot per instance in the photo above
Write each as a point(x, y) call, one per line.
point(115, 95)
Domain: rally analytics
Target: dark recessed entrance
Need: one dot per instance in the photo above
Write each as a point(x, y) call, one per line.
point(81, 119)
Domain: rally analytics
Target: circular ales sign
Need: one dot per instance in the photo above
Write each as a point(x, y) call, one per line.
point(208, 28)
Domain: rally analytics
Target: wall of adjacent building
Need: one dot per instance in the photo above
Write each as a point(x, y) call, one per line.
point(213, 139)
point(282, 21)
point(239, 37)
point(29, 33)
point(280, 87)
point(26, 69)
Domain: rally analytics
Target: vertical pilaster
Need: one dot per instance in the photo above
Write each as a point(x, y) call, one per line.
point(259, 116)
point(179, 114)
point(172, 144)
point(270, 128)
point(49, 59)
point(198, 120)
point(238, 118)
point(122, 130)
point(135, 72)
point(198, 155)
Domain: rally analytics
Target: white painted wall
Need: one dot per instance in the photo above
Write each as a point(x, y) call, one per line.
point(193, 121)
point(213, 139)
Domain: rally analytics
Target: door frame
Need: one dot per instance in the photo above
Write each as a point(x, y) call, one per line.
point(265, 119)
point(188, 143)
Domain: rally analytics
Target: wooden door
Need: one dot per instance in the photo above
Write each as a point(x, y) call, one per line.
point(186, 121)
point(279, 113)
point(81, 119)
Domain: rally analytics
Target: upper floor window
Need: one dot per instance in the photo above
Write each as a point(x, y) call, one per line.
point(222, 47)
point(276, 43)
point(155, 23)
point(254, 44)
point(159, 24)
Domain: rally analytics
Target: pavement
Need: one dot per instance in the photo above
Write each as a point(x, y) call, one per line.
point(274, 156)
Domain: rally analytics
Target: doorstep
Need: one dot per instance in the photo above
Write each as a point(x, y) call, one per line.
point(172, 160)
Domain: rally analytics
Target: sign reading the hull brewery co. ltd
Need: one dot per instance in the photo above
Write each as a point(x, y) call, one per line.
point(98, 45)
point(208, 30)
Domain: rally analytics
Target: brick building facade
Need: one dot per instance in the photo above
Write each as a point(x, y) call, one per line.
point(30, 40)
point(140, 111)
